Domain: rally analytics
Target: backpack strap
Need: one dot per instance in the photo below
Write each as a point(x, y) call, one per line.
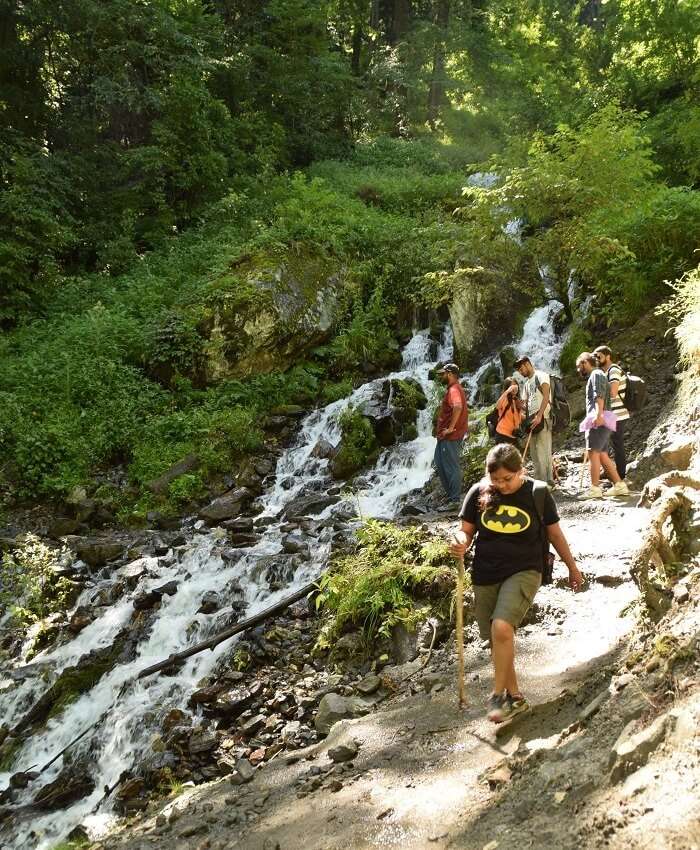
point(539, 489)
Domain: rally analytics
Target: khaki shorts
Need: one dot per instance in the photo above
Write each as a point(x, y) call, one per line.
point(507, 600)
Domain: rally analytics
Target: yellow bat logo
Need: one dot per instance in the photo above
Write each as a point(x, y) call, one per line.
point(506, 519)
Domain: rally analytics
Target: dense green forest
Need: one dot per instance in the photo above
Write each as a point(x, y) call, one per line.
point(159, 157)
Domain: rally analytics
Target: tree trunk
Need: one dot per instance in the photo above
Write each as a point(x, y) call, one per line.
point(399, 20)
point(213, 642)
point(436, 93)
point(356, 48)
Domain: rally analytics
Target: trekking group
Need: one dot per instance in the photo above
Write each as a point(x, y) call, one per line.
point(512, 518)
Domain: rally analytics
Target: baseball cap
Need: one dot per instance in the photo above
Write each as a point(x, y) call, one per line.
point(449, 367)
point(519, 362)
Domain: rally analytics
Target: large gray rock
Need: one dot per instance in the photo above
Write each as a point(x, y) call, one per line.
point(227, 506)
point(333, 708)
point(280, 307)
point(310, 504)
point(96, 552)
point(632, 750)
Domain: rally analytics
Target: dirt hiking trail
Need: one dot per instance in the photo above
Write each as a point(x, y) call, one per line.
point(426, 774)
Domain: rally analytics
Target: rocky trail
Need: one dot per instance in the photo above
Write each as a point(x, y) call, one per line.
point(416, 771)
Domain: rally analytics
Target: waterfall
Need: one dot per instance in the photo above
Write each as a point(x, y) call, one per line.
point(133, 708)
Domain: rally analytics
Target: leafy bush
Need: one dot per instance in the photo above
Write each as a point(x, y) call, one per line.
point(380, 584)
point(186, 488)
point(30, 589)
point(366, 340)
point(334, 391)
point(684, 310)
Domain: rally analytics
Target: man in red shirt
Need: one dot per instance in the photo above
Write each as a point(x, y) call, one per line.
point(450, 430)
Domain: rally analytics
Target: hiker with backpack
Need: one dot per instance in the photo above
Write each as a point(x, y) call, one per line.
point(538, 419)
point(618, 396)
point(508, 414)
point(599, 424)
point(514, 520)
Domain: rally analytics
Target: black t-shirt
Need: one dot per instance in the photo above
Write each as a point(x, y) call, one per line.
point(509, 537)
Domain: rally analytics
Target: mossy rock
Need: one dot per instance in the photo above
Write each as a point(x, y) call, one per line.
point(268, 310)
point(358, 445)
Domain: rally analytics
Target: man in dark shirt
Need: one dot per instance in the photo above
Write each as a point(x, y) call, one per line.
point(450, 430)
point(598, 436)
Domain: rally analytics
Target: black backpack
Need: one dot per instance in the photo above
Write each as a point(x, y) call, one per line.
point(539, 490)
point(635, 396)
point(558, 400)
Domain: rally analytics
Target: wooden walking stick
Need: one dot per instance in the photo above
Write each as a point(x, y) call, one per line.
point(527, 445)
point(459, 629)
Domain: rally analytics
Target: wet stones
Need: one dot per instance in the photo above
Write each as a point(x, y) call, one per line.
point(205, 696)
point(203, 741)
point(96, 552)
point(233, 702)
point(81, 618)
point(309, 504)
point(227, 506)
point(210, 603)
point(72, 783)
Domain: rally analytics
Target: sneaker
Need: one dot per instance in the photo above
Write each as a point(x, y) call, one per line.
point(516, 704)
point(591, 493)
point(619, 489)
point(497, 704)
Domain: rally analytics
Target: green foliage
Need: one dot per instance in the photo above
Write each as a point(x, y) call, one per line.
point(578, 339)
point(186, 488)
point(215, 434)
point(591, 203)
point(358, 445)
point(30, 589)
point(335, 390)
point(381, 583)
point(683, 308)
point(473, 460)
point(366, 339)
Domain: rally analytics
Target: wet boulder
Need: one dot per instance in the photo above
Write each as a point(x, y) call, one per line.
point(227, 506)
point(80, 618)
point(210, 603)
point(96, 552)
point(324, 450)
point(309, 504)
point(132, 573)
point(294, 544)
point(73, 783)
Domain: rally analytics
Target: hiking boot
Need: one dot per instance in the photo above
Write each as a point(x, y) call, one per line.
point(619, 489)
point(517, 704)
point(497, 708)
point(591, 493)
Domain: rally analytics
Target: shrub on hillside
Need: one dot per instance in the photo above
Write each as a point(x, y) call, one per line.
point(387, 580)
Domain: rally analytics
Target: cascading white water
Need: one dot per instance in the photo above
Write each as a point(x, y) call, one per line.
point(133, 708)
point(539, 340)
